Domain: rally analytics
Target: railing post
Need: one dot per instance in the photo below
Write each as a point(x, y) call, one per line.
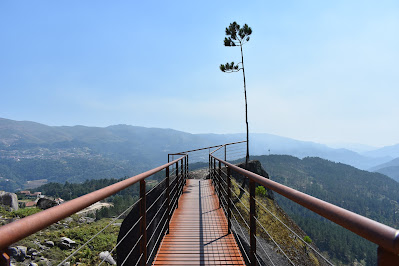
point(252, 222)
point(209, 166)
point(143, 222)
point(225, 153)
point(219, 183)
point(167, 199)
point(177, 185)
point(228, 199)
point(386, 258)
point(183, 178)
point(214, 174)
point(187, 165)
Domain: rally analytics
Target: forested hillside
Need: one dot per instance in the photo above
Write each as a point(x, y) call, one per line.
point(370, 194)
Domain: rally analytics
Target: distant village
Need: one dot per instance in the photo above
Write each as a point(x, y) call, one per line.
point(36, 196)
point(26, 199)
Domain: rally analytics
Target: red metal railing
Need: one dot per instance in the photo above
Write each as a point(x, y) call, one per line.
point(17, 230)
point(387, 238)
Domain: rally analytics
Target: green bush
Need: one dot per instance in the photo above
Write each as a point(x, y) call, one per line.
point(260, 191)
point(307, 239)
point(25, 212)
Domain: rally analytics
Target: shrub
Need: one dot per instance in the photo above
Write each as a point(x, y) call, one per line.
point(260, 191)
point(307, 239)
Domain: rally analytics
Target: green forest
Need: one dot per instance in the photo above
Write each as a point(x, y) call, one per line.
point(370, 194)
point(121, 200)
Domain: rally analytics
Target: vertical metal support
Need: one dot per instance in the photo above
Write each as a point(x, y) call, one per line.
point(228, 199)
point(185, 168)
point(183, 178)
point(386, 258)
point(219, 183)
point(209, 166)
point(177, 185)
point(225, 153)
point(187, 165)
point(143, 223)
point(167, 200)
point(168, 157)
point(5, 259)
point(252, 222)
point(214, 174)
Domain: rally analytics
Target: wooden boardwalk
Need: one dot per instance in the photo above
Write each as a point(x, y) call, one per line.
point(198, 231)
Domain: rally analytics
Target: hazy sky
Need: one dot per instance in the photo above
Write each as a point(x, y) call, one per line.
point(325, 71)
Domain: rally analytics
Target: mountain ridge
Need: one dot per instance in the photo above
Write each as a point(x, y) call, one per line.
point(132, 149)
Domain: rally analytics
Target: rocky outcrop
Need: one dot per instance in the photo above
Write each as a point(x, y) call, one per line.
point(9, 200)
point(254, 167)
point(45, 203)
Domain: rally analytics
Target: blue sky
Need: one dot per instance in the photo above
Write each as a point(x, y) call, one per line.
point(324, 71)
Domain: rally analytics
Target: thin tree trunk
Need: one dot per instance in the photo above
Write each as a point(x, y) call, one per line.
point(246, 108)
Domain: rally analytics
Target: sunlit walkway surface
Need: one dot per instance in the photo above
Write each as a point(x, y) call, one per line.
point(198, 231)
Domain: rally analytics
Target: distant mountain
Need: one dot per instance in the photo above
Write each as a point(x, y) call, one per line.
point(356, 147)
point(390, 151)
point(373, 195)
point(390, 169)
point(128, 150)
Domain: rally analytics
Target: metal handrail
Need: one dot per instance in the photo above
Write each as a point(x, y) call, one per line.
point(206, 148)
point(17, 230)
point(385, 236)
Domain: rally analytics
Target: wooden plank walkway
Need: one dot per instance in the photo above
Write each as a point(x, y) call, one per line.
point(198, 231)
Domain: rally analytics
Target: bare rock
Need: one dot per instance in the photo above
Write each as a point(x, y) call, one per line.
point(18, 253)
point(66, 243)
point(49, 244)
point(45, 203)
point(106, 256)
point(9, 199)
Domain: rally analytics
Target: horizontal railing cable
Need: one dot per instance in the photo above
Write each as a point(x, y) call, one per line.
point(382, 235)
point(243, 235)
point(24, 227)
point(264, 251)
point(278, 246)
point(154, 187)
point(246, 192)
point(156, 228)
point(242, 218)
point(292, 231)
point(156, 243)
point(256, 220)
point(99, 232)
point(123, 238)
point(155, 215)
point(155, 201)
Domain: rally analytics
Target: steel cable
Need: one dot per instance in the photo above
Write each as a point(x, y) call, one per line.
point(243, 235)
point(117, 244)
point(149, 208)
point(274, 241)
point(99, 232)
point(156, 243)
point(260, 244)
point(155, 215)
point(155, 229)
point(293, 232)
